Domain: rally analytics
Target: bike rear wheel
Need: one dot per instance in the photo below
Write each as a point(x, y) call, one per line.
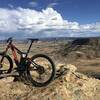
point(41, 70)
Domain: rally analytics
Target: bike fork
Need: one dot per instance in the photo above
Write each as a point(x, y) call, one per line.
point(1, 61)
point(4, 53)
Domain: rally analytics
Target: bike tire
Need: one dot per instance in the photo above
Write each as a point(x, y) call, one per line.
point(10, 62)
point(38, 84)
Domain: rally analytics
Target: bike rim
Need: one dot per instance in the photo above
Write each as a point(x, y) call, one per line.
point(45, 76)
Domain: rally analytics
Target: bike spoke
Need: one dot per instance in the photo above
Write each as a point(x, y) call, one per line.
point(43, 69)
point(5, 65)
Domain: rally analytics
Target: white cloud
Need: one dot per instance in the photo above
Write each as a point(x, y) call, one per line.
point(48, 22)
point(10, 5)
point(52, 4)
point(33, 4)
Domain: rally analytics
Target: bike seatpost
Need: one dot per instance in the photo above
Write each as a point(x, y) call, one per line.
point(29, 48)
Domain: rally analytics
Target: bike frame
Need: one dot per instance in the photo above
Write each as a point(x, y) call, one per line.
point(14, 53)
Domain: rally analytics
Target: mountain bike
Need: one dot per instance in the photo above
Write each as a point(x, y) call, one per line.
point(39, 69)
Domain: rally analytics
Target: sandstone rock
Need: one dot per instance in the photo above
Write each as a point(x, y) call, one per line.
point(71, 86)
point(69, 67)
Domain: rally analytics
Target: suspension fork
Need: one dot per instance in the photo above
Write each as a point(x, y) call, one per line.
point(4, 53)
point(2, 59)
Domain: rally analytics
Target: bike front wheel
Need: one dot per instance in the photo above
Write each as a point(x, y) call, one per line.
point(6, 65)
point(41, 70)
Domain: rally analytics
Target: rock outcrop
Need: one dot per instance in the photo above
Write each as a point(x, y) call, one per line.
point(70, 86)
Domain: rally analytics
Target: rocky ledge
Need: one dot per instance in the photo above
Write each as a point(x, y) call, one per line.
point(70, 86)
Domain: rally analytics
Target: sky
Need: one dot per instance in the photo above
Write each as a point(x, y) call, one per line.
point(49, 18)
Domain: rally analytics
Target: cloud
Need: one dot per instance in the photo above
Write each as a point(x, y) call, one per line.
point(33, 4)
point(52, 4)
point(48, 22)
point(10, 6)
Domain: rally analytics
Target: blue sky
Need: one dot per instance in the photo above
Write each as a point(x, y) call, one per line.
point(57, 18)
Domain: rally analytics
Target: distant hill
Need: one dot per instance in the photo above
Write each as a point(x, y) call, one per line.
point(90, 49)
point(51, 39)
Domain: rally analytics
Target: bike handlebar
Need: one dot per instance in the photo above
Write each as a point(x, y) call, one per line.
point(9, 39)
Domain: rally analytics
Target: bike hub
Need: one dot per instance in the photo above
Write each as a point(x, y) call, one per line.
point(40, 70)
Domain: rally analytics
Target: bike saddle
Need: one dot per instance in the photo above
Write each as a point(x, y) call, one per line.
point(33, 40)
